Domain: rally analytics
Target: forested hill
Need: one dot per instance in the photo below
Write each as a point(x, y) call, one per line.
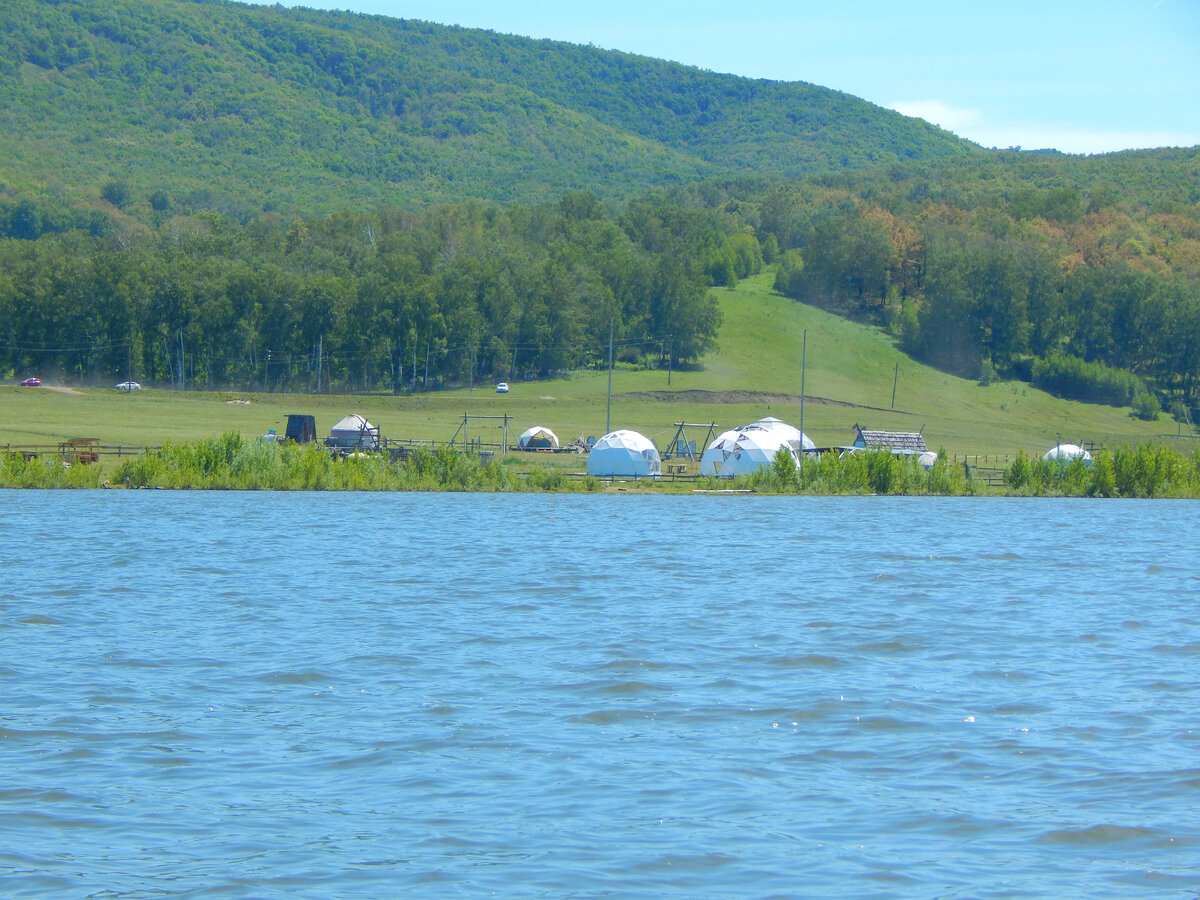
point(183, 105)
point(203, 193)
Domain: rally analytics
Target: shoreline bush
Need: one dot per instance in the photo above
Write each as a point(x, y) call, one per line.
point(1147, 471)
point(229, 462)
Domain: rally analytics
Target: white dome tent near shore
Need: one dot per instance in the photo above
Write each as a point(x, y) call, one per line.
point(624, 453)
point(537, 438)
point(741, 451)
point(1065, 453)
point(794, 436)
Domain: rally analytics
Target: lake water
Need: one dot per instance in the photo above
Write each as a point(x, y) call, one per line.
point(432, 695)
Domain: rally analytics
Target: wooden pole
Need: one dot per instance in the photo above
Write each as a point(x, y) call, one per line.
point(608, 411)
point(803, 362)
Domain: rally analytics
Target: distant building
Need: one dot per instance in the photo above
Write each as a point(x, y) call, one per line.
point(895, 441)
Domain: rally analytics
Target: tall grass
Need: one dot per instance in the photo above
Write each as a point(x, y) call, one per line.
point(1145, 471)
point(868, 472)
point(16, 471)
point(229, 462)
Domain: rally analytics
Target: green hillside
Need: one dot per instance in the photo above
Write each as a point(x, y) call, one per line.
point(211, 196)
point(849, 377)
point(166, 106)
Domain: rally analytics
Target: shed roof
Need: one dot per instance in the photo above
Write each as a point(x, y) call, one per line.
point(892, 440)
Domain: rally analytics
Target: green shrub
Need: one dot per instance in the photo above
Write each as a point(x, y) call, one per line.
point(1146, 407)
point(784, 468)
point(16, 471)
point(547, 479)
point(1094, 382)
point(1019, 471)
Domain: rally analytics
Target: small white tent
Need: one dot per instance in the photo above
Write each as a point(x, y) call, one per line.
point(928, 459)
point(624, 453)
point(742, 451)
point(537, 438)
point(353, 433)
point(789, 433)
point(1066, 453)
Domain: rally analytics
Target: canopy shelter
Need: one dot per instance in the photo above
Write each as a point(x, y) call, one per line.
point(353, 433)
point(742, 451)
point(1066, 453)
point(537, 438)
point(624, 453)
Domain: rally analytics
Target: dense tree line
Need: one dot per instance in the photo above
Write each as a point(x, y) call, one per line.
point(984, 269)
point(381, 300)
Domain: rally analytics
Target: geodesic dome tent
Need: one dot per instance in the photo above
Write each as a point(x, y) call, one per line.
point(794, 436)
point(742, 451)
point(1066, 453)
point(537, 438)
point(624, 453)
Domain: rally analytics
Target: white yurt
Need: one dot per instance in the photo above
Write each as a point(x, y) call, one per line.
point(624, 453)
point(353, 433)
point(537, 438)
point(742, 451)
point(1066, 453)
point(790, 433)
point(928, 458)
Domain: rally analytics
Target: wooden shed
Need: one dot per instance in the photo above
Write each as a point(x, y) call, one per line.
point(895, 441)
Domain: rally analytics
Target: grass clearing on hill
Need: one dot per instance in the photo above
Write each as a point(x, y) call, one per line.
point(755, 372)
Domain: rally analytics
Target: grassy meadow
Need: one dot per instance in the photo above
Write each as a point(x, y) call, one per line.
point(755, 372)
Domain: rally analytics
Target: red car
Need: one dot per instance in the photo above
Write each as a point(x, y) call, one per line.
point(31, 382)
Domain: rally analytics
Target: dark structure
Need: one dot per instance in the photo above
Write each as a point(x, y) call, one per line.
point(301, 429)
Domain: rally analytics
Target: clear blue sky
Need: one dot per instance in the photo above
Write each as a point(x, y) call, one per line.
point(1082, 77)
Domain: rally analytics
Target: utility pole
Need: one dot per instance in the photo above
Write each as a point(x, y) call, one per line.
point(803, 361)
point(608, 413)
point(320, 358)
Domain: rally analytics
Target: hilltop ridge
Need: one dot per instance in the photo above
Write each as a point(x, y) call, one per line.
point(209, 103)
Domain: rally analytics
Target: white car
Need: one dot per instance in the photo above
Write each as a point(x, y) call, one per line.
point(129, 386)
point(502, 387)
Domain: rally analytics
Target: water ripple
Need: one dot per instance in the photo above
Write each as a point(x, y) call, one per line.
point(901, 709)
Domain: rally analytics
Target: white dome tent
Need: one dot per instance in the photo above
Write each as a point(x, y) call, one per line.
point(715, 453)
point(794, 436)
point(1066, 453)
point(537, 438)
point(742, 451)
point(624, 453)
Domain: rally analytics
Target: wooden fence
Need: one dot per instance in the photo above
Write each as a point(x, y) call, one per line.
point(989, 468)
point(80, 452)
